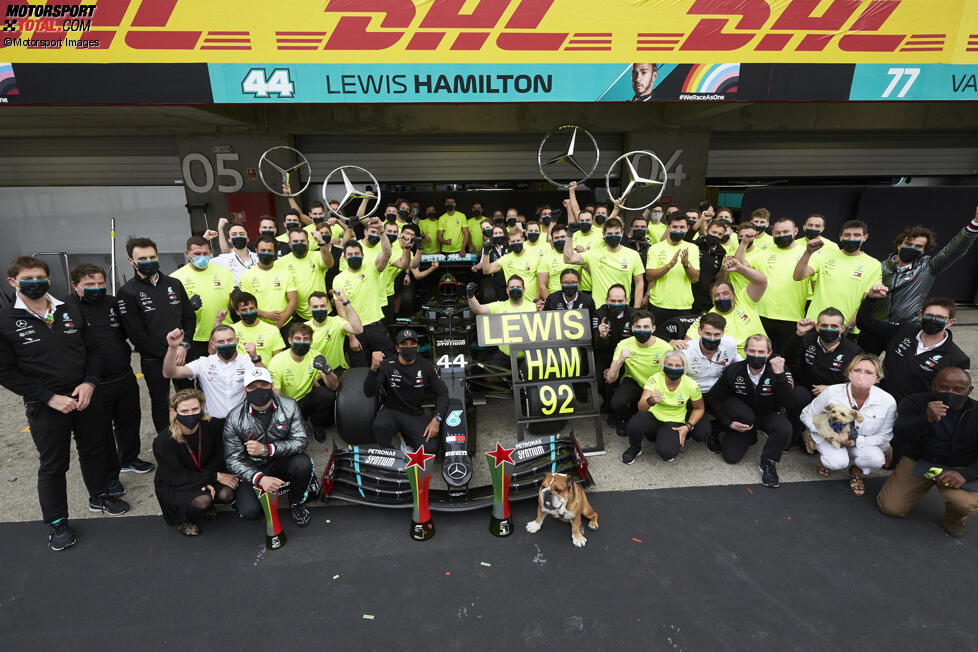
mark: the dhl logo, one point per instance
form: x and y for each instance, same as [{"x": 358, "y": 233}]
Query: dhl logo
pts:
[{"x": 761, "y": 26}]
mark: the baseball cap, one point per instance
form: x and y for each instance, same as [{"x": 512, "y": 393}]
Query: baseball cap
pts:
[
  {"x": 258, "y": 373},
  {"x": 406, "y": 334}
]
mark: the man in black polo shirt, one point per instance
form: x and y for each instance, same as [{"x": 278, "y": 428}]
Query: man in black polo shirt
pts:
[
  {"x": 916, "y": 350},
  {"x": 151, "y": 305},
  {"x": 117, "y": 388},
  {"x": 48, "y": 357},
  {"x": 401, "y": 382}
]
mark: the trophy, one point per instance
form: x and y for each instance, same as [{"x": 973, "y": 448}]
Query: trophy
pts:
[
  {"x": 419, "y": 476},
  {"x": 633, "y": 163},
  {"x": 274, "y": 535},
  {"x": 348, "y": 190},
  {"x": 570, "y": 153},
  {"x": 279, "y": 159},
  {"x": 500, "y": 462}
]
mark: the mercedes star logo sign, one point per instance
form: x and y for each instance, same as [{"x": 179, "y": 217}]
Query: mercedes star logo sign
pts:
[
  {"x": 349, "y": 190},
  {"x": 281, "y": 184},
  {"x": 570, "y": 155},
  {"x": 457, "y": 471},
  {"x": 656, "y": 178}
]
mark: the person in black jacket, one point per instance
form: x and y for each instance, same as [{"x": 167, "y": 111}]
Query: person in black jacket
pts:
[
  {"x": 192, "y": 476},
  {"x": 401, "y": 382},
  {"x": 941, "y": 428},
  {"x": 570, "y": 296},
  {"x": 49, "y": 357},
  {"x": 917, "y": 350},
  {"x": 610, "y": 324},
  {"x": 818, "y": 356},
  {"x": 151, "y": 305},
  {"x": 751, "y": 395},
  {"x": 117, "y": 388},
  {"x": 712, "y": 254}
]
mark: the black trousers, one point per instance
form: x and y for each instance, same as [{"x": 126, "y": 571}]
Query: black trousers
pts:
[
  {"x": 51, "y": 431},
  {"x": 390, "y": 422},
  {"x": 317, "y": 406},
  {"x": 296, "y": 470},
  {"x": 602, "y": 360},
  {"x": 803, "y": 396},
  {"x": 120, "y": 408},
  {"x": 373, "y": 338},
  {"x": 662, "y": 315},
  {"x": 780, "y": 331},
  {"x": 871, "y": 343},
  {"x": 624, "y": 400},
  {"x": 645, "y": 426},
  {"x": 735, "y": 444},
  {"x": 159, "y": 391}
]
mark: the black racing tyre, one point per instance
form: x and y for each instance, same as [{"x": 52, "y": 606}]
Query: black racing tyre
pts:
[{"x": 355, "y": 411}]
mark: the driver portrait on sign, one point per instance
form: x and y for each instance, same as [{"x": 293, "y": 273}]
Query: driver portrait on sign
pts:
[{"x": 401, "y": 382}]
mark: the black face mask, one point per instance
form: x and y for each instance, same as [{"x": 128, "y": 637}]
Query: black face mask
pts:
[
  {"x": 300, "y": 348},
  {"x": 267, "y": 232},
  {"x": 642, "y": 336},
  {"x": 259, "y": 396},
  {"x": 318, "y": 219},
  {"x": 476, "y": 212},
  {"x": 756, "y": 362},
  {"x": 431, "y": 215},
  {"x": 300, "y": 249},
  {"x": 850, "y": 246},
  {"x": 710, "y": 344},
  {"x": 533, "y": 236},
  {"x": 403, "y": 214},
  {"x": 354, "y": 262},
  {"x": 516, "y": 247},
  {"x": 547, "y": 220},
  {"x": 559, "y": 244},
  {"x": 515, "y": 293},
  {"x": 189, "y": 421},
  {"x": 449, "y": 207},
  {"x": 226, "y": 351},
  {"x": 292, "y": 226},
  {"x": 953, "y": 401},
  {"x": 486, "y": 233},
  {"x": 569, "y": 290},
  {"x": 390, "y": 217},
  {"x": 829, "y": 334},
  {"x": 249, "y": 317},
  {"x": 783, "y": 241},
  {"x": 676, "y": 236},
  {"x": 409, "y": 353},
  {"x": 239, "y": 241},
  {"x": 585, "y": 227},
  {"x": 725, "y": 239},
  {"x": 510, "y": 221},
  {"x": 148, "y": 267},
  {"x": 266, "y": 258},
  {"x": 723, "y": 305},
  {"x": 600, "y": 219},
  {"x": 612, "y": 240},
  {"x": 673, "y": 373},
  {"x": 639, "y": 234},
  {"x": 932, "y": 326},
  {"x": 34, "y": 289},
  {"x": 372, "y": 239},
  {"x": 319, "y": 314},
  {"x": 498, "y": 240},
  {"x": 92, "y": 295},
  {"x": 391, "y": 237},
  {"x": 910, "y": 254},
  {"x": 811, "y": 234}
]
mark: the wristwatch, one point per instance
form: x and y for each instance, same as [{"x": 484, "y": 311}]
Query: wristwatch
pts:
[
  {"x": 256, "y": 360},
  {"x": 346, "y": 303},
  {"x": 438, "y": 418},
  {"x": 650, "y": 401},
  {"x": 688, "y": 425}
]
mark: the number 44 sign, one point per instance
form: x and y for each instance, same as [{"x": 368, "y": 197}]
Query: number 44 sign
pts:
[{"x": 258, "y": 83}]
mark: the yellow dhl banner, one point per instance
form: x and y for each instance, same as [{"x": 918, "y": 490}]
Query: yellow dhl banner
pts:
[{"x": 489, "y": 31}]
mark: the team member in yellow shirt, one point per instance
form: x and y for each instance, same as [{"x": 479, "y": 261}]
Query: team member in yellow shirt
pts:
[
  {"x": 842, "y": 278},
  {"x": 586, "y": 238},
  {"x": 329, "y": 333},
  {"x": 741, "y": 312},
  {"x": 613, "y": 264},
  {"x": 272, "y": 285},
  {"x": 453, "y": 230},
  {"x": 266, "y": 338},
  {"x": 364, "y": 287},
  {"x": 211, "y": 285},
  {"x": 672, "y": 266},
  {"x": 814, "y": 227},
  {"x": 552, "y": 263},
  {"x": 783, "y": 303},
  {"x": 671, "y": 409},
  {"x": 761, "y": 219},
  {"x": 429, "y": 232},
  {"x": 747, "y": 253},
  {"x": 641, "y": 356},
  {"x": 517, "y": 302},
  {"x": 308, "y": 271},
  {"x": 474, "y": 224},
  {"x": 305, "y": 377},
  {"x": 729, "y": 238},
  {"x": 535, "y": 242},
  {"x": 518, "y": 262}
]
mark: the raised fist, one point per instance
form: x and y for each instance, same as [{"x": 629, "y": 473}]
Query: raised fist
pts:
[
  {"x": 174, "y": 337},
  {"x": 814, "y": 245},
  {"x": 319, "y": 362},
  {"x": 470, "y": 290},
  {"x": 804, "y": 326}
]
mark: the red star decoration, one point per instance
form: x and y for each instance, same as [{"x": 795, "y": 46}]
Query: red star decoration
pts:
[
  {"x": 418, "y": 458},
  {"x": 502, "y": 454}
]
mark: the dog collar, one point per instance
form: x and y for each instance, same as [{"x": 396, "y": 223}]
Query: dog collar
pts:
[{"x": 837, "y": 427}]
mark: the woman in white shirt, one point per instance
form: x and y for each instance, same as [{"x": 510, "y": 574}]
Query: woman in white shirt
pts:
[{"x": 867, "y": 451}]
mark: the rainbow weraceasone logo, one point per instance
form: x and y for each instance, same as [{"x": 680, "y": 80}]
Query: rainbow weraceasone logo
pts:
[
  {"x": 8, "y": 84},
  {"x": 715, "y": 81}
]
